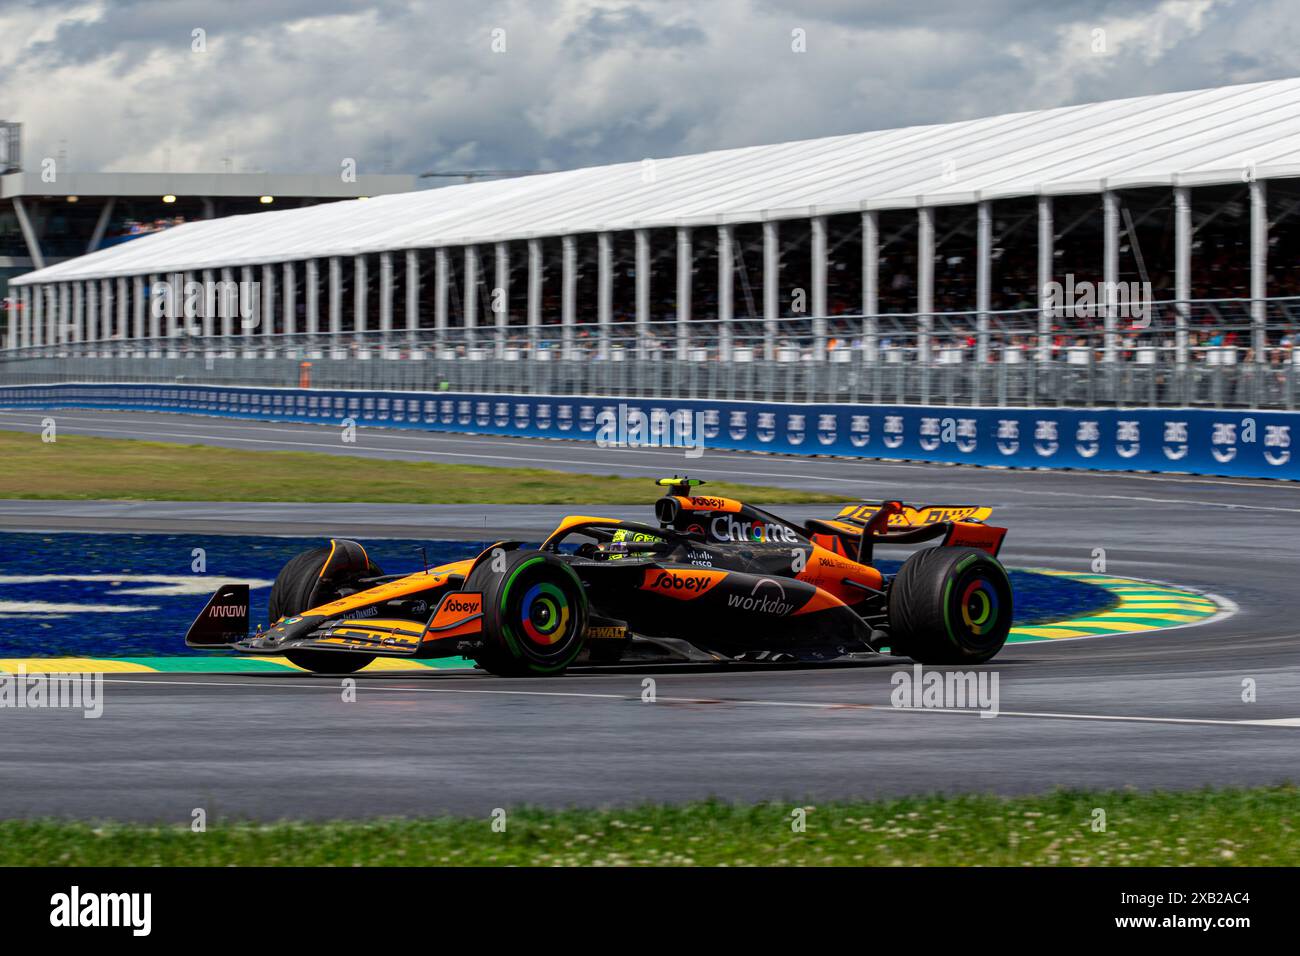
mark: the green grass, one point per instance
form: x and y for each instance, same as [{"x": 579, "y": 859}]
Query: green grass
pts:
[
  {"x": 1255, "y": 827},
  {"x": 79, "y": 467}
]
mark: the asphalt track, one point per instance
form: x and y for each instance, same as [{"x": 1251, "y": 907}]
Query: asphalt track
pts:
[{"x": 1163, "y": 709}]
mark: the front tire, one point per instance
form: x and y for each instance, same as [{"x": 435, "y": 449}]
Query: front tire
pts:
[
  {"x": 291, "y": 594},
  {"x": 534, "y": 614},
  {"x": 329, "y": 662},
  {"x": 949, "y": 606}
]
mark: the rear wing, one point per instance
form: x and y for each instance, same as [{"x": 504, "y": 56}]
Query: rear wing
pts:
[
  {"x": 858, "y": 528},
  {"x": 911, "y": 516}
]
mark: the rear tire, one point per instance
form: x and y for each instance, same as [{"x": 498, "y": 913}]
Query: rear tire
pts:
[
  {"x": 291, "y": 594},
  {"x": 949, "y": 606},
  {"x": 534, "y": 615}
]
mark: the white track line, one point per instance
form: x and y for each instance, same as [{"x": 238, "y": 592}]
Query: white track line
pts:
[
  {"x": 300, "y": 684},
  {"x": 655, "y": 469},
  {"x": 396, "y": 434}
]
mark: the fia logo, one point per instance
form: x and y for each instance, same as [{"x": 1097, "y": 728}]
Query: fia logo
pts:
[
  {"x": 893, "y": 431},
  {"x": 710, "y": 421},
  {"x": 1008, "y": 439},
  {"x": 1127, "y": 439},
  {"x": 826, "y": 429},
  {"x": 967, "y": 435},
  {"x": 794, "y": 429},
  {"x": 737, "y": 425},
  {"x": 1277, "y": 444},
  {"x": 1045, "y": 438},
  {"x": 859, "y": 430},
  {"x": 1175, "y": 446},
  {"x": 1223, "y": 442},
  {"x": 929, "y": 433},
  {"x": 1087, "y": 439}
]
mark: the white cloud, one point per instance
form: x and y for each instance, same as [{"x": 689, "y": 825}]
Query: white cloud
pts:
[{"x": 298, "y": 85}]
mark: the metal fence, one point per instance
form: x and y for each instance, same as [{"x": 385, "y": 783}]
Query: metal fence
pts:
[{"x": 1220, "y": 353}]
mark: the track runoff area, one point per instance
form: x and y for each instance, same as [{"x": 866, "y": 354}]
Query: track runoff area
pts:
[{"x": 1186, "y": 672}]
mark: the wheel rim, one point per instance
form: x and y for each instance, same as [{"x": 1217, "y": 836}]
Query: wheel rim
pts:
[
  {"x": 541, "y": 614},
  {"x": 977, "y": 608},
  {"x": 545, "y": 612}
]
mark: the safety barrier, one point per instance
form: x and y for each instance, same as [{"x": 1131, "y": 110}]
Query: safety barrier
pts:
[{"x": 1239, "y": 443}]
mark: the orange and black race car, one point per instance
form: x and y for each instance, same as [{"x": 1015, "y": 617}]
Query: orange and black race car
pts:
[{"x": 713, "y": 579}]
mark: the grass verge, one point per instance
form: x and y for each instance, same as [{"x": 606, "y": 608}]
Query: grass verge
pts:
[
  {"x": 1208, "y": 827},
  {"x": 77, "y": 467}
]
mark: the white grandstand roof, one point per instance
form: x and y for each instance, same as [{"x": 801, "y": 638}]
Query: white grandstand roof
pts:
[{"x": 1203, "y": 137}]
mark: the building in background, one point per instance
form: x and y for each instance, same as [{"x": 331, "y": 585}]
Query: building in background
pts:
[{"x": 48, "y": 216}]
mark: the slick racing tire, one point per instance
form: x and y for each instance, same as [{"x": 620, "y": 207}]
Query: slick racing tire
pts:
[
  {"x": 534, "y": 614},
  {"x": 291, "y": 594},
  {"x": 949, "y": 606}
]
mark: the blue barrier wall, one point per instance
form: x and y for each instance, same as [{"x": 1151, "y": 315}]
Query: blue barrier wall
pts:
[{"x": 1237, "y": 443}]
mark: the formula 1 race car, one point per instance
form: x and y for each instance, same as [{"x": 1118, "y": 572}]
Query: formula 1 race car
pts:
[{"x": 714, "y": 580}]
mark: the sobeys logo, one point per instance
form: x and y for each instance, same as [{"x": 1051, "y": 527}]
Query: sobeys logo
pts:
[
  {"x": 681, "y": 584},
  {"x": 708, "y": 504},
  {"x": 461, "y": 605}
]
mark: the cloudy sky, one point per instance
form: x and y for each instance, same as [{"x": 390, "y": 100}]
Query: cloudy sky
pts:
[{"x": 411, "y": 85}]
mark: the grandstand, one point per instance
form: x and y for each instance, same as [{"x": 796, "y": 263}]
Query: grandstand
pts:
[{"x": 913, "y": 264}]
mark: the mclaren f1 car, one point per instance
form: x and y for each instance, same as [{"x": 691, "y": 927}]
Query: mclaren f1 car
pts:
[{"x": 711, "y": 579}]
